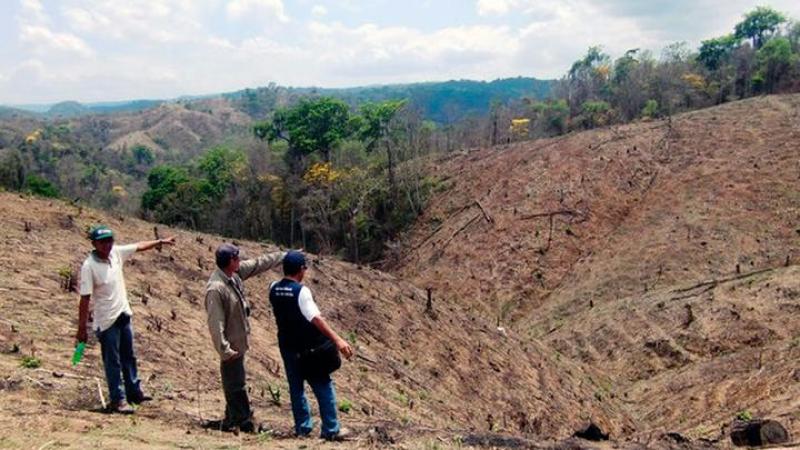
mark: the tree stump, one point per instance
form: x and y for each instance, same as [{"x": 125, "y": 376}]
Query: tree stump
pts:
[
  {"x": 754, "y": 433},
  {"x": 591, "y": 432}
]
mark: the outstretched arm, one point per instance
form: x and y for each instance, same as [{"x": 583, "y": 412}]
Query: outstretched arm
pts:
[
  {"x": 252, "y": 267},
  {"x": 147, "y": 245}
]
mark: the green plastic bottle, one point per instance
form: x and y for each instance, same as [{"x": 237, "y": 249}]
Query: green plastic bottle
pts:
[{"x": 76, "y": 357}]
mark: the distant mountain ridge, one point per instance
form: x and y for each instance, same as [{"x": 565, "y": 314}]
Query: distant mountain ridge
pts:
[
  {"x": 71, "y": 108},
  {"x": 443, "y": 102}
]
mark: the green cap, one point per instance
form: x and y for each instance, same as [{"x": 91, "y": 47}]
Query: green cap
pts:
[{"x": 100, "y": 232}]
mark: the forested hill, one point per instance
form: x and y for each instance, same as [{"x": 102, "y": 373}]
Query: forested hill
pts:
[{"x": 449, "y": 101}]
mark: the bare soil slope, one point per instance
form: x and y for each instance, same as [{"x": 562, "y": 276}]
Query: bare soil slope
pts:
[
  {"x": 638, "y": 250},
  {"x": 177, "y": 127},
  {"x": 445, "y": 372}
]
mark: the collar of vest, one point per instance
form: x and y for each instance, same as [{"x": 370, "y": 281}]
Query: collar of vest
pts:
[
  {"x": 288, "y": 281},
  {"x": 218, "y": 273}
]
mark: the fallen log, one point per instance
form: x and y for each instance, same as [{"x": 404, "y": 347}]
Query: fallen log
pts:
[{"x": 561, "y": 212}]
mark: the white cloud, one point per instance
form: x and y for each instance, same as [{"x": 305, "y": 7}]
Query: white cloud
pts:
[
  {"x": 319, "y": 10},
  {"x": 548, "y": 48},
  {"x": 29, "y": 67},
  {"x": 159, "y": 21},
  {"x": 370, "y": 54},
  {"x": 487, "y": 7},
  {"x": 43, "y": 40},
  {"x": 238, "y": 9},
  {"x": 32, "y": 11}
]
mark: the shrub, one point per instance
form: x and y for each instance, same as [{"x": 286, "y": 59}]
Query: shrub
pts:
[
  {"x": 37, "y": 185},
  {"x": 650, "y": 109},
  {"x": 31, "y": 362}
]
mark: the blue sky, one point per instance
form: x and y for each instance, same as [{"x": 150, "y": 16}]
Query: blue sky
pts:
[{"x": 106, "y": 50}]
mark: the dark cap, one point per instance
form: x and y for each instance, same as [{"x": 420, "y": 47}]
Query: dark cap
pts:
[
  {"x": 100, "y": 232},
  {"x": 225, "y": 253},
  {"x": 293, "y": 262}
]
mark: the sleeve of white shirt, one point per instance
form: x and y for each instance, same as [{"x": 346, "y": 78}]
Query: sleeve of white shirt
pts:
[
  {"x": 87, "y": 284},
  {"x": 125, "y": 251},
  {"x": 307, "y": 305}
]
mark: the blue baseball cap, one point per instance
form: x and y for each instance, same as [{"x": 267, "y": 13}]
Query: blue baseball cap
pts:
[
  {"x": 293, "y": 262},
  {"x": 100, "y": 232}
]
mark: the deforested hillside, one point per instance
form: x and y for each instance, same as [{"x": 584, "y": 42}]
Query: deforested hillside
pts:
[
  {"x": 640, "y": 277},
  {"x": 444, "y": 371},
  {"x": 173, "y": 130},
  {"x": 660, "y": 252}
]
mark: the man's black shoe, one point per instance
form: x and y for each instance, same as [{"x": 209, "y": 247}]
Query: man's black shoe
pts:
[
  {"x": 344, "y": 434},
  {"x": 247, "y": 427},
  {"x": 120, "y": 407},
  {"x": 138, "y": 400}
]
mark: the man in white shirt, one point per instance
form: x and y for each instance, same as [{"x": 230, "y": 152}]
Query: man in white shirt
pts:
[{"x": 102, "y": 281}]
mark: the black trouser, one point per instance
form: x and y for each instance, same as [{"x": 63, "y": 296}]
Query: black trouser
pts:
[{"x": 237, "y": 405}]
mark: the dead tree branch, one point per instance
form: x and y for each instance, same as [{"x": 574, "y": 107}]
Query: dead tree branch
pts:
[
  {"x": 466, "y": 225},
  {"x": 486, "y": 215}
]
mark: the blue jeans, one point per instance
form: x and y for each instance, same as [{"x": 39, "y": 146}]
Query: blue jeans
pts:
[
  {"x": 323, "y": 390},
  {"x": 116, "y": 344}
]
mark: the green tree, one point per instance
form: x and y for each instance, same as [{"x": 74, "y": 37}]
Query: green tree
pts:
[
  {"x": 219, "y": 167},
  {"x": 595, "y": 113},
  {"x": 551, "y": 117},
  {"x": 630, "y": 82},
  {"x": 624, "y": 66},
  {"x": 759, "y": 25},
  {"x": 376, "y": 130},
  {"x": 313, "y": 125},
  {"x": 12, "y": 169},
  {"x": 774, "y": 62},
  {"x": 587, "y": 79},
  {"x": 161, "y": 181},
  {"x": 650, "y": 109},
  {"x": 793, "y": 34},
  {"x": 143, "y": 155},
  {"x": 184, "y": 206},
  {"x": 714, "y": 52}
]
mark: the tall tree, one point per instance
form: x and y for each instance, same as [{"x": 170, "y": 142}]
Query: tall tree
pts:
[
  {"x": 313, "y": 125},
  {"x": 376, "y": 130},
  {"x": 774, "y": 61},
  {"x": 759, "y": 25},
  {"x": 587, "y": 79},
  {"x": 162, "y": 181},
  {"x": 220, "y": 166},
  {"x": 715, "y": 52}
]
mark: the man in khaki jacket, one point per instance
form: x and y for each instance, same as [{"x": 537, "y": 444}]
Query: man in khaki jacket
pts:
[{"x": 228, "y": 324}]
